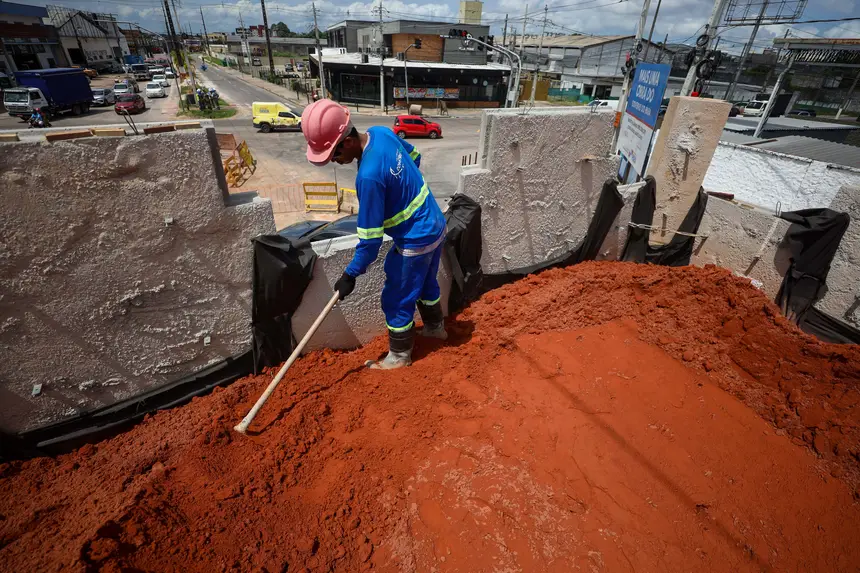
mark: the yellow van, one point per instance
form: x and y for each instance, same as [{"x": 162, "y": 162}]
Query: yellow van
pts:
[{"x": 273, "y": 115}]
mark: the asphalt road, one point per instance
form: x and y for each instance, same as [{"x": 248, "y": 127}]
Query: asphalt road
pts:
[
  {"x": 157, "y": 109},
  {"x": 281, "y": 155}
]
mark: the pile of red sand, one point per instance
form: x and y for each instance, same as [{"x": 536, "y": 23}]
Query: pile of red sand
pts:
[{"x": 606, "y": 417}]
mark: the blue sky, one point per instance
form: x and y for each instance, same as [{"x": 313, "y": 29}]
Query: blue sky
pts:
[{"x": 680, "y": 19}]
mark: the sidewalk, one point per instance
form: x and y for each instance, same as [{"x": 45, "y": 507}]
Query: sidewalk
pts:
[{"x": 289, "y": 97}]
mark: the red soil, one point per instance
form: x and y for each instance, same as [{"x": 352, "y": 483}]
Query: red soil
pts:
[{"x": 606, "y": 417}]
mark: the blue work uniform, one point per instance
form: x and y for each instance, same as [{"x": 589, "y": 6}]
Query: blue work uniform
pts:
[{"x": 395, "y": 200}]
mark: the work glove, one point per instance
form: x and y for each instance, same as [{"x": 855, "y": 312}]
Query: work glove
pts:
[{"x": 344, "y": 285}]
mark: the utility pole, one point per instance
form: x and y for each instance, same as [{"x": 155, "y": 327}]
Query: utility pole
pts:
[
  {"x": 205, "y": 33},
  {"x": 770, "y": 71},
  {"x": 243, "y": 37},
  {"x": 710, "y": 31},
  {"x": 772, "y": 99},
  {"x": 269, "y": 41},
  {"x": 847, "y": 101},
  {"x": 537, "y": 64},
  {"x": 381, "y": 60},
  {"x": 622, "y": 104},
  {"x": 522, "y": 51},
  {"x": 651, "y": 33},
  {"x": 171, "y": 31},
  {"x": 505, "y": 31},
  {"x": 189, "y": 67},
  {"x": 663, "y": 51},
  {"x": 319, "y": 51},
  {"x": 745, "y": 53}
]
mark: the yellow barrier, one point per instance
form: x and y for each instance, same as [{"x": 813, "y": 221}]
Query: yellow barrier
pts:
[
  {"x": 232, "y": 170},
  {"x": 248, "y": 161},
  {"x": 321, "y": 200}
]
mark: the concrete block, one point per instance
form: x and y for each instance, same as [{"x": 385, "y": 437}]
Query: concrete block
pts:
[
  {"x": 744, "y": 241},
  {"x": 65, "y": 135},
  {"x": 537, "y": 183},
  {"x": 192, "y": 125},
  {"x": 8, "y": 137},
  {"x": 158, "y": 129},
  {"x": 119, "y": 259},
  {"x": 843, "y": 282},
  {"x": 770, "y": 180},
  {"x": 358, "y": 319},
  {"x": 682, "y": 154},
  {"x": 108, "y": 132}
]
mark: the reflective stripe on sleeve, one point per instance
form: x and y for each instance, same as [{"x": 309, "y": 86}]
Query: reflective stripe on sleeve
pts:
[
  {"x": 429, "y": 302},
  {"x": 409, "y": 210},
  {"x": 415, "y": 154},
  {"x": 375, "y": 233}
]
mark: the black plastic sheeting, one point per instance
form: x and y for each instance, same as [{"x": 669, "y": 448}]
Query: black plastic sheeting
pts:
[
  {"x": 464, "y": 219},
  {"x": 812, "y": 240},
  {"x": 463, "y": 246},
  {"x": 105, "y": 422},
  {"x": 283, "y": 269},
  {"x": 678, "y": 251}
]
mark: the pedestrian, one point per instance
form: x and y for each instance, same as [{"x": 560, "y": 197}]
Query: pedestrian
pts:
[{"x": 395, "y": 200}]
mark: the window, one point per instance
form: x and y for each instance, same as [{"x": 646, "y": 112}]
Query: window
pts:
[
  {"x": 396, "y": 121},
  {"x": 286, "y": 114}
]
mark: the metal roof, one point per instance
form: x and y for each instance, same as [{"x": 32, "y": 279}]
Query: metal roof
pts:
[
  {"x": 571, "y": 41},
  {"x": 738, "y": 138},
  {"x": 742, "y": 125},
  {"x": 817, "y": 149}
]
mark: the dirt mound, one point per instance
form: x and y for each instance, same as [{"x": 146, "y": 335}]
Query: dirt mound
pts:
[{"x": 600, "y": 417}]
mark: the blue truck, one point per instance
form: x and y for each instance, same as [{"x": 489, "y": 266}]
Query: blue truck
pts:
[{"x": 54, "y": 91}]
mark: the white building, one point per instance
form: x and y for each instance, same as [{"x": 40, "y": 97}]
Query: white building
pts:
[{"x": 89, "y": 38}]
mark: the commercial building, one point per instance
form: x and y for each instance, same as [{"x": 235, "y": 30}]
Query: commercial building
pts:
[
  {"x": 296, "y": 47},
  {"x": 470, "y": 12},
  {"x": 26, "y": 41},
  {"x": 89, "y": 38},
  {"x": 345, "y": 34},
  {"x": 441, "y": 69}
]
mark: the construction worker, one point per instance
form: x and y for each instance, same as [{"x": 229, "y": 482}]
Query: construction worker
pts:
[{"x": 395, "y": 200}]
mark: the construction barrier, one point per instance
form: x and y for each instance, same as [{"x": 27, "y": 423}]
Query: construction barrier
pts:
[
  {"x": 322, "y": 197},
  {"x": 236, "y": 158},
  {"x": 248, "y": 161},
  {"x": 233, "y": 170}
]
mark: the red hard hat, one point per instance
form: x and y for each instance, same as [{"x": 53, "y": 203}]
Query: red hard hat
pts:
[{"x": 325, "y": 123}]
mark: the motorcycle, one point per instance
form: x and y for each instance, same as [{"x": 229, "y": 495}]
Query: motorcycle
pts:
[{"x": 38, "y": 123}]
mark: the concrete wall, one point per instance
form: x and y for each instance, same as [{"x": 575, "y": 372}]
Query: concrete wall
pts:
[
  {"x": 358, "y": 319},
  {"x": 102, "y": 296},
  {"x": 765, "y": 178},
  {"x": 843, "y": 283},
  {"x": 538, "y": 182}
]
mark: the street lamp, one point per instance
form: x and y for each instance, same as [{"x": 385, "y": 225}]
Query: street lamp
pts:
[{"x": 417, "y": 45}]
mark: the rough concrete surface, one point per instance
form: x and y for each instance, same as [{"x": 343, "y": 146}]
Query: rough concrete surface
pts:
[
  {"x": 538, "y": 182},
  {"x": 688, "y": 137},
  {"x": 769, "y": 179},
  {"x": 744, "y": 241},
  {"x": 843, "y": 282},
  {"x": 119, "y": 260},
  {"x": 356, "y": 320}
]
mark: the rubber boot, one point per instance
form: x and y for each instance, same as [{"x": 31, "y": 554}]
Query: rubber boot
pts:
[
  {"x": 434, "y": 321},
  {"x": 399, "y": 351}
]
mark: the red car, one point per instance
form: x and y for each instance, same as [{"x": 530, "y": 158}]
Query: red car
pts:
[
  {"x": 129, "y": 103},
  {"x": 416, "y": 125}
]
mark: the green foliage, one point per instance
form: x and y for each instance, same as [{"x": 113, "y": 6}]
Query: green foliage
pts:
[{"x": 281, "y": 29}]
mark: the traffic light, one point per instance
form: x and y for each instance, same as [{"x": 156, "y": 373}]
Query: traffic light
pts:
[
  {"x": 417, "y": 43},
  {"x": 457, "y": 33},
  {"x": 480, "y": 45},
  {"x": 490, "y": 42}
]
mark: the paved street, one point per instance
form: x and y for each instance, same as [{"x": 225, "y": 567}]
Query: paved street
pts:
[
  {"x": 157, "y": 109},
  {"x": 281, "y": 155}
]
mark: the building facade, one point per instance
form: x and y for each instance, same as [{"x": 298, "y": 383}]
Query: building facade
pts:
[
  {"x": 471, "y": 12},
  {"x": 345, "y": 34},
  {"x": 26, "y": 41},
  {"x": 89, "y": 38}
]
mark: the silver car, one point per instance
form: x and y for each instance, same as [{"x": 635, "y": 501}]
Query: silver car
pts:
[{"x": 103, "y": 96}]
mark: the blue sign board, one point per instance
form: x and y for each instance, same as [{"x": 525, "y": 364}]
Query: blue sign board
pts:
[{"x": 646, "y": 93}]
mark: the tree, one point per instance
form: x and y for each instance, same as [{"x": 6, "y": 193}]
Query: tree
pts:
[{"x": 281, "y": 30}]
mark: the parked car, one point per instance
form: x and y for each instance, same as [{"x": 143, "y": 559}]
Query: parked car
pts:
[
  {"x": 256, "y": 62},
  {"x": 161, "y": 79},
  {"x": 103, "y": 96},
  {"x": 127, "y": 86},
  {"x": 406, "y": 125},
  {"x": 754, "y": 108},
  {"x": 604, "y": 104},
  {"x": 129, "y": 103},
  {"x": 169, "y": 74},
  {"x": 89, "y": 72},
  {"x": 803, "y": 113},
  {"x": 155, "y": 89},
  {"x": 321, "y": 230}
]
